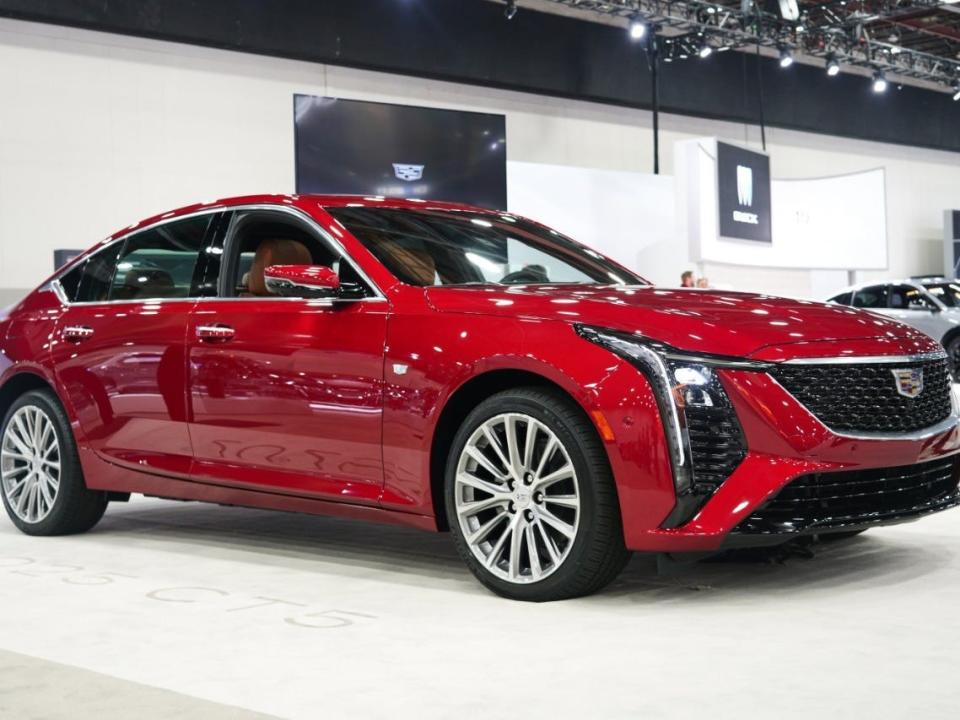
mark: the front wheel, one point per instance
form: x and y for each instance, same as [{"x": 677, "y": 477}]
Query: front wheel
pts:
[
  {"x": 42, "y": 484},
  {"x": 531, "y": 499}
]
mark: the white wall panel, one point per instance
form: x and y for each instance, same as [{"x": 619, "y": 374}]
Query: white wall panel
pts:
[{"x": 99, "y": 130}]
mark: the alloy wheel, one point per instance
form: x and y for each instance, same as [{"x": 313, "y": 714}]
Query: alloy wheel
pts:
[
  {"x": 30, "y": 464},
  {"x": 517, "y": 498}
]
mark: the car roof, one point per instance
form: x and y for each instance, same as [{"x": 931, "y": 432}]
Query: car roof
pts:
[{"x": 303, "y": 201}]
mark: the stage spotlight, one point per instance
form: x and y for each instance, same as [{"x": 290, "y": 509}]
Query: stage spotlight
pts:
[
  {"x": 705, "y": 51},
  {"x": 786, "y": 58},
  {"x": 956, "y": 91},
  {"x": 510, "y": 10},
  {"x": 833, "y": 67},
  {"x": 879, "y": 82},
  {"x": 637, "y": 29}
]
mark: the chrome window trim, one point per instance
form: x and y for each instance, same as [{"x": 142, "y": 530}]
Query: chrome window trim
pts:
[
  {"x": 296, "y": 212},
  {"x": 866, "y": 359}
]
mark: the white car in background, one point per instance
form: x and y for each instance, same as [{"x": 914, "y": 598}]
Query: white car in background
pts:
[{"x": 930, "y": 304}]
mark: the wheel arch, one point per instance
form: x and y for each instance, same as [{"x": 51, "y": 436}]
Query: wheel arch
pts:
[
  {"x": 951, "y": 334},
  {"x": 18, "y": 384},
  {"x": 460, "y": 403}
]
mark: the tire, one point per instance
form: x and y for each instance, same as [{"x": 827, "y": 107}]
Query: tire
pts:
[
  {"x": 573, "y": 521},
  {"x": 59, "y": 502}
]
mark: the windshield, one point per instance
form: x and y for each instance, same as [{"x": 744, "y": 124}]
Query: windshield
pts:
[
  {"x": 445, "y": 247},
  {"x": 947, "y": 293}
]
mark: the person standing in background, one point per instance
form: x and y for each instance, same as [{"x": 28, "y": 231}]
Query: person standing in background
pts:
[
  {"x": 686, "y": 279},
  {"x": 703, "y": 283}
]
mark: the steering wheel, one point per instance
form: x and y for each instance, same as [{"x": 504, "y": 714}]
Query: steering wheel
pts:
[{"x": 524, "y": 275}]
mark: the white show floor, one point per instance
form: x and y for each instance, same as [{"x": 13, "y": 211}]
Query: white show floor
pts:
[{"x": 304, "y": 617}]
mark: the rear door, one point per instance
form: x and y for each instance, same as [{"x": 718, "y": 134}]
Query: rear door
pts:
[
  {"x": 286, "y": 394},
  {"x": 120, "y": 349}
]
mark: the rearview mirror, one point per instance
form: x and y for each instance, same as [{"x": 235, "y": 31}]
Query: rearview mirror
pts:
[{"x": 304, "y": 281}]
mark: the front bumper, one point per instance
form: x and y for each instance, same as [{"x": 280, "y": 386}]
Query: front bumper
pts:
[{"x": 786, "y": 443}]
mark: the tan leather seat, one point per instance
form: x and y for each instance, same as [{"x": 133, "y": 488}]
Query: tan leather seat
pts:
[
  {"x": 418, "y": 266},
  {"x": 275, "y": 251}
]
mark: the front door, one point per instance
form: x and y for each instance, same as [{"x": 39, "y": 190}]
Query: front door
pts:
[
  {"x": 120, "y": 347},
  {"x": 286, "y": 394}
]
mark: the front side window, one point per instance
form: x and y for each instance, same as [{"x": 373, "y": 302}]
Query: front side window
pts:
[
  {"x": 841, "y": 299},
  {"x": 443, "y": 247},
  {"x": 908, "y": 297},
  {"x": 871, "y": 297},
  {"x": 947, "y": 293},
  {"x": 261, "y": 238}
]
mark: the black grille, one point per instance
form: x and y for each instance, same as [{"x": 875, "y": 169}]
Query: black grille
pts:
[
  {"x": 716, "y": 443},
  {"x": 864, "y": 398},
  {"x": 852, "y": 497}
]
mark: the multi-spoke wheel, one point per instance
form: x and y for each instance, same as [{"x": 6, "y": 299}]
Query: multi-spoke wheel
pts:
[
  {"x": 530, "y": 498},
  {"x": 41, "y": 482},
  {"x": 30, "y": 463}
]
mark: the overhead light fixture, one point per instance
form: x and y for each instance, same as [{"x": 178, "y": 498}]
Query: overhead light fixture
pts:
[
  {"x": 879, "y": 82},
  {"x": 705, "y": 51},
  {"x": 786, "y": 58},
  {"x": 637, "y": 29},
  {"x": 833, "y": 67},
  {"x": 956, "y": 91},
  {"x": 510, "y": 10}
]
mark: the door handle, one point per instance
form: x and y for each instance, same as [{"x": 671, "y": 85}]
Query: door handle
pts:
[
  {"x": 212, "y": 333},
  {"x": 76, "y": 333}
]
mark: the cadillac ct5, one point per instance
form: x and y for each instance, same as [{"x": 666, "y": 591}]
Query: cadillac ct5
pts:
[{"x": 452, "y": 368}]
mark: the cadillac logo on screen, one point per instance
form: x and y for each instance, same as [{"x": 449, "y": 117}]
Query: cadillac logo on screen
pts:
[
  {"x": 743, "y": 193},
  {"x": 909, "y": 381},
  {"x": 408, "y": 173}
]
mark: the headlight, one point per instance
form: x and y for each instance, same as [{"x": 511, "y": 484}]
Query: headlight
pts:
[{"x": 703, "y": 433}]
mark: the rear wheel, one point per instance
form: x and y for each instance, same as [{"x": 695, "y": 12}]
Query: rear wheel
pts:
[
  {"x": 42, "y": 485},
  {"x": 531, "y": 499}
]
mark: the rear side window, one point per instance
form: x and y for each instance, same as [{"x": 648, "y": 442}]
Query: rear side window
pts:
[
  {"x": 842, "y": 299},
  {"x": 161, "y": 262},
  {"x": 90, "y": 280},
  {"x": 871, "y": 297}
]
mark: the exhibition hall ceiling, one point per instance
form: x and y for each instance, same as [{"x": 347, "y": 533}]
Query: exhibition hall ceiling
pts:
[
  {"x": 914, "y": 40},
  {"x": 472, "y": 42}
]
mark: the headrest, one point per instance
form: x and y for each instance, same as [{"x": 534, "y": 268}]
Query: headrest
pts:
[{"x": 275, "y": 251}]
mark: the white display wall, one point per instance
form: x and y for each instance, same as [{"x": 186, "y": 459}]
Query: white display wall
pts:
[
  {"x": 98, "y": 130},
  {"x": 820, "y": 223}
]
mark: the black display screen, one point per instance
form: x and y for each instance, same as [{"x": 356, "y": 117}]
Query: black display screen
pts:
[
  {"x": 743, "y": 193},
  {"x": 368, "y": 148}
]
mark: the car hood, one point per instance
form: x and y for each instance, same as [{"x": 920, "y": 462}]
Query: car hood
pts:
[{"x": 717, "y": 322}]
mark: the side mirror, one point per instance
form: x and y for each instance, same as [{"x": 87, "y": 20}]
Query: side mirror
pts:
[{"x": 306, "y": 281}]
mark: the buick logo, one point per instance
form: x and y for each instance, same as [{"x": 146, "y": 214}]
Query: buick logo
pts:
[
  {"x": 408, "y": 173},
  {"x": 909, "y": 381},
  {"x": 744, "y": 186}
]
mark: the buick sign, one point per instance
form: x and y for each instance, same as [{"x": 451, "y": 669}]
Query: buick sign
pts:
[
  {"x": 408, "y": 173},
  {"x": 743, "y": 193}
]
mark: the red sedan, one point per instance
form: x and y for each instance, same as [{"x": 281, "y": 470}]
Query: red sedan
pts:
[{"x": 447, "y": 367}]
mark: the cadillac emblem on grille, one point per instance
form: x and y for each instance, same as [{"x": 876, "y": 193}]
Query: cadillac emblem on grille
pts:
[{"x": 909, "y": 381}]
